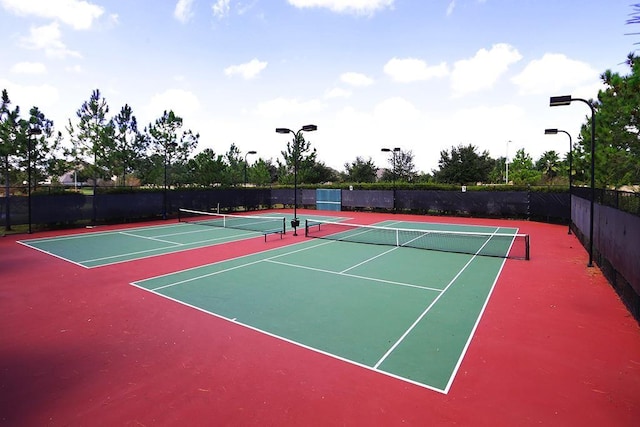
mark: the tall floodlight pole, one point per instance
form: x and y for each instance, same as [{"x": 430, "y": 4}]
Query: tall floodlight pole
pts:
[
  {"x": 31, "y": 135},
  {"x": 506, "y": 164},
  {"x": 556, "y": 101},
  {"x": 245, "y": 166},
  {"x": 296, "y": 153},
  {"x": 393, "y": 152},
  {"x": 555, "y": 132},
  {"x": 246, "y": 207},
  {"x": 172, "y": 146}
]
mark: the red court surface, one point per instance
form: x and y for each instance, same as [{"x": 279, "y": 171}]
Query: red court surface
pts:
[{"x": 78, "y": 346}]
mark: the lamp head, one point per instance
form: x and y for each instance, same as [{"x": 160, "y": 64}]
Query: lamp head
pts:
[
  {"x": 283, "y": 130},
  {"x": 550, "y": 131},
  {"x": 309, "y": 128},
  {"x": 556, "y": 101},
  {"x": 252, "y": 152}
]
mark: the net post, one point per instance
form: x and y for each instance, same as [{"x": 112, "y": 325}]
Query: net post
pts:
[
  {"x": 306, "y": 228},
  {"x": 179, "y": 215},
  {"x": 284, "y": 227},
  {"x": 526, "y": 249}
]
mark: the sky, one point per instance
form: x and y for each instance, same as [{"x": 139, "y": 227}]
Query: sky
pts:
[{"x": 420, "y": 75}]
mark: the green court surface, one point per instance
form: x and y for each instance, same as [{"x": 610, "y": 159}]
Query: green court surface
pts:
[
  {"x": 404, "y": 312},
  {"x": 103, "y": 248}
]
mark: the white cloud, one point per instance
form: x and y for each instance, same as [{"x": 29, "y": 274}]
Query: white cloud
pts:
[
  {"x": 353, "y": 132},
  {"x": 75, "y": 69},
  {"x": 484, "y": 69},
  {"x": 396, "y": 110},
  {"x": 360, "y": 7},
  {"x": 183, "y": 11},
  {"x": 220, "y": 8},
  {"x": 48, "y": 38},
  {"x": 410, "y": 70},
  {"x": 79, "y": 14},
  {"x": 29, "y": 68},
  {"x": 247, "y": 70},
  {"x": 356, "y": 79},
  {"x": 553, "y": 72},
  {"x": 44, "y": 96},
  {"x": 337, "y": 93},
  {"x": 290, "y": 109},
  {"x": 503, "y": 119}
]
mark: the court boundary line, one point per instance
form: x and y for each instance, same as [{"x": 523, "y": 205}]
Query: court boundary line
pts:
[
  {"x": 290, "y": 341},
  {"x": 355, "y": 276},
  {"x": 474, "y": 329},
  {"x": 179, "y": 247},
  {"x": 155, "y": 239},
  {"x": 79, "y": 235},
  {"x": 433, "y": 303},
  {"x": 169, "y": 285},
  {"x": 176, "y": 245},
  {"x": 98, "y": 233},
  {"x": 368, "y": 260},
  {"x": 374, "y": 368},
  {"x": 51, "y": 254},
  {"x": 309, "y": 246},
  {"x": 231, "y": 259}
]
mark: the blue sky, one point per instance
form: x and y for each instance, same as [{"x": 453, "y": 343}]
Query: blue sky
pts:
[{"x": 422, "y": 75}]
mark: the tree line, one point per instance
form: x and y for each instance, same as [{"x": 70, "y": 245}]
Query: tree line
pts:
[{"x": 115, "y": 150}]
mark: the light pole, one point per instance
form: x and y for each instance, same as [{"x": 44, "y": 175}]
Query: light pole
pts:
[
  {"x": 245, "y": 166},
  {"x": 393, "y": 152},
  {"x": 172, "y": 146},
  {"x": 555, "y": 132},
  {"x": 32, "y": 133},
  {"x": 246, "y": 206},
  {"x": 556, "y": 101},
  {"x": 506, "y": 164},
  {"x": 296, "y": 153}
]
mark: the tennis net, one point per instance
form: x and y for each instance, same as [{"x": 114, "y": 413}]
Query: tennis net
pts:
[
  {"x": 263, "y": 224},
  {"x": 495, "y": 244}
]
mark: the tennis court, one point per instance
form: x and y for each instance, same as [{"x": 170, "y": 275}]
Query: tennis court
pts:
[{"x": 404, "y": 312}]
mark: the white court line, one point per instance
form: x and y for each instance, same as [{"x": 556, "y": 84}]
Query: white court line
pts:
[
  {"x": 191, "y": 279},
  {"x": 198, "y": 267},
  {"x": 473, "y": 330},
  {"x": 155, "y": 239},
  {"x": 51, "y": 254},
  {"x": 424, "y": 313},
  {"x": 224, "y": 270},
  {"x": 176, "y": 245},
  {"x": 182, "y": 233},
  {"x": 98, "y": 233},
  {"x": 368, "y": 260},
  {"x": 355, "y": 276},
  {"x": 290, "y": 341},
  {"x": 272, "y": 258}
]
